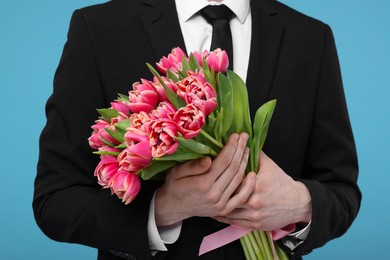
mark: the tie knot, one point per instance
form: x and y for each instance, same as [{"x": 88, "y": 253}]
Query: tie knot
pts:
[{"x": 216, "y": 12}]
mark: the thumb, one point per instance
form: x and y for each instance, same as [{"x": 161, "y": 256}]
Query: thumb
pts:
[{"x": 192, "y": 167}]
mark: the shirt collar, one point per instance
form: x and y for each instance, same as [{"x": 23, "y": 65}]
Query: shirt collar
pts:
[{"x": 188, "y": 8}]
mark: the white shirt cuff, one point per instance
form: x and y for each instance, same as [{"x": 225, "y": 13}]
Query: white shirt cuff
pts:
[
  {"x": 158, "y": 237},
  {"x": 293, "y": 240}
]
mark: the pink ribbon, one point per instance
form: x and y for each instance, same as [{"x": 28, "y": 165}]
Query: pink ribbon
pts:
[
  {"x": 281, "y": 233},
  {"x": 232, "y": 233},
  {"x": 221, "y": 238}
]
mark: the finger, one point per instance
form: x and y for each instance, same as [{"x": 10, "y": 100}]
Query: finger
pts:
[
  {"x": 236, "y": 181},
  {"x": 239, "y": 199},
  {"x": 222, "y": 161},
  {"x": 191, "y": 168},
  {"x": 235, "y": 164},
  {"x": 237, "y": 222}
]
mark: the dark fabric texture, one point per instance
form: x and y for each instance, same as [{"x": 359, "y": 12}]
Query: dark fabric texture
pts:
[{"x": 293, "y": 59}]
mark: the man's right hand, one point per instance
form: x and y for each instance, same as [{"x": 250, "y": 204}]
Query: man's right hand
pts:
[{"x": 206, "y": 188}]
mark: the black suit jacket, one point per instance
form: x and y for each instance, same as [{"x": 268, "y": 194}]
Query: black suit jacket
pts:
[{"x": 293, "y": 59}]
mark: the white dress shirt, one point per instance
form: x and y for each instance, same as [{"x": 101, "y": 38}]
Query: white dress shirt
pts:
[{"x": 197, "y": 34}]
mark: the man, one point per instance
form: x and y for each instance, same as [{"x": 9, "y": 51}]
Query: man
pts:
[{"x": 310, "y": 180}]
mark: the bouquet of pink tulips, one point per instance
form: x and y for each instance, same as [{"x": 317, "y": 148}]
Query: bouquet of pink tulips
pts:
[{"x": 183, "y": 114}]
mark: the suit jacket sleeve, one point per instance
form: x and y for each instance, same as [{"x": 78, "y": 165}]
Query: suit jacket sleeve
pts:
[
  {"x": 330, "y": 168},
  {"x": 68, "y": 204}
]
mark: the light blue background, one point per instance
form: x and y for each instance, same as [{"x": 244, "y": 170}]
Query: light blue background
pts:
[{"x": 32, "y": 34}]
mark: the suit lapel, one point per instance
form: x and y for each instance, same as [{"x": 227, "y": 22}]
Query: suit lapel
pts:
[
  {"x": 267, "y": 34},
  {"x": 162, "y": 26}
]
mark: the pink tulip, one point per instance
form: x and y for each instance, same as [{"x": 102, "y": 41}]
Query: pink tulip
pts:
[
  {"x": 138, "y": 120},
  {"x": 125, "y": 185},
  {"x": 118, "y": 119},
  {"x": 94, "y": 141},
  {"x": 106, "y": 169},
  {"x": 173, "y": 62},
  {"x": 190, "y": 121},
  {"x": 160, "y": 89},
  {"x": 98, "y": 130},
  {"x": 194, "y": 89},
  {"x": 162, "y": 135},
  {"x": 103, "y": 134},
  {"x": 199, "y": 56},
  {"x": 164, "y": 110},
  {"x": 123, "y": 110},
  {"x": 121, "y": 107},
  {"x": 109, "y": 149},
  {"x": 218, "y": 60},
  {"x": 143, "y": 97},
  {"x": 100, "y": 124},
  {"x": 138, "y": 153}
]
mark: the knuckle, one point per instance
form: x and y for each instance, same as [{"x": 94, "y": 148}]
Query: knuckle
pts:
[
  {"x": 255, "y": 216},
  {"x": 202, "y": 189},
  {"x": 242, "y": 199},
  {"x": 257, "y": 226},
  {"x": 254, "y": 203},
  {"x": 224, "y": 211},
  {"x": 219, "y": 206},
  {"x": 212, "y": 197}
]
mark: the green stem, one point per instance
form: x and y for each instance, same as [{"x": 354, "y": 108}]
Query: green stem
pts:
[
  {"x": 251, "y": 252},
  {"x": 255, "y": 245},
  {"x": 268, "y": 251},
  {"x": 281, "y": 254},
  {"x": 245, "y": 248},
  {"x": 259, "y": 243},
  {"x": 211, "y": 139}
]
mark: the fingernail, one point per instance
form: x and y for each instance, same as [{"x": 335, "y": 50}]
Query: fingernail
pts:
[{"x": 245, "y": 136}]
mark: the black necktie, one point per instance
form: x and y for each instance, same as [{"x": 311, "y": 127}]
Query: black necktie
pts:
[{"x": 219, "y": 16}]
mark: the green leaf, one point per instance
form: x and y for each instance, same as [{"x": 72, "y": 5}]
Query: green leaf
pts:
[
  {"x": 210, "y": 123},
  {"x": 121, "y": 126},
  {"x": 121, "y": 146},
  {"x": 123, "y": 98},
  {"x": 108, "y": 113},
  {"x": 155, "y": 168},
  {"x": 180, "y": 156},
  {"x": 107, "y": 142},
  {"x": 224, "y": 88},
  {"x": 176, "y": 101},
  {"x": 172, "y": 76},
  {"x": 218, "y": 125},
  {"x": 260, "y": 129},
  {"x": 209, "y": 74},
  {"x": 117, "y": 136},
  {"x": 106, "y": 153},
  {"x": 185, "y": 65},
  {"x": 242, "y": 118},
  {"x": 194, "y": 146},
  {"x": 194, "y": 63},
  {"x": 228, "y": 114}
]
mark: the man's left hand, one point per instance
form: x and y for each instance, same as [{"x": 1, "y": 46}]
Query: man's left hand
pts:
[{"x": 276, "y": 201}]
